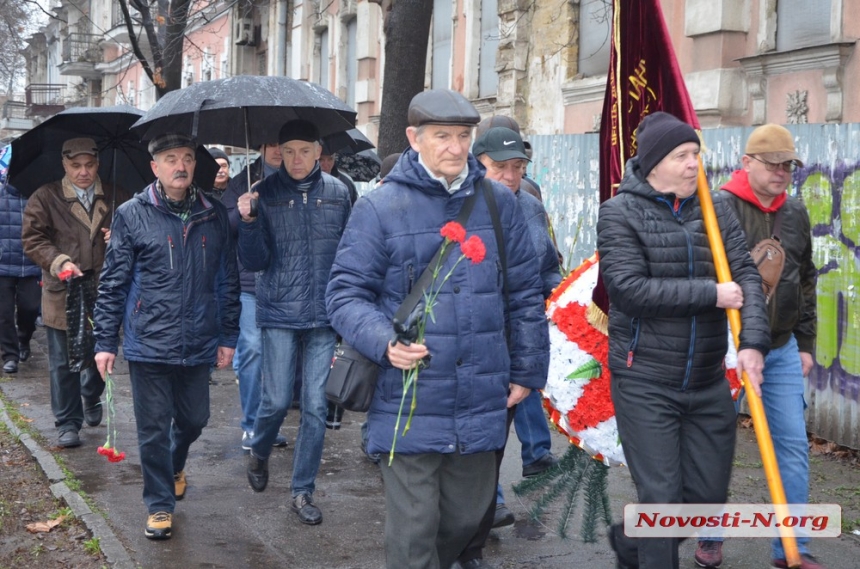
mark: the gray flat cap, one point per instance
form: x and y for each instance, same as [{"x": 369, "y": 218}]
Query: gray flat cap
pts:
[
  {"x": 442, "y": 106},
  {"x": 170, "y": 141}
]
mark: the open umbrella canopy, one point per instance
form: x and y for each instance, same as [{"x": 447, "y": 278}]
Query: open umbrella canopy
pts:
[
  {"x": 224, "y": 110},
  {"x": 37, "y": 159},
  {"x": 346, "y": 142},
  {"x": 361, "y": 167}
]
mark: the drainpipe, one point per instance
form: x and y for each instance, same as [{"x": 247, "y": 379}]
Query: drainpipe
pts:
[{"x": 280, "y": 54}]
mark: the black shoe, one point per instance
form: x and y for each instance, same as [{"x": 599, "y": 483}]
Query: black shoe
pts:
[
  {"x": 308, "y": 513},
  {"x": 11, "y": 366},
  {"x": 23, "y": 352},
  {"x": 503, "y": 517},
  {"x": 258, "y": 472},
  {"x": 69, "y": 439},
  {"x": 475, "y": 564},
  {"x": 93, "y": 412},
  {"x": 545, "y": 462},
  {"x": 334, "y": 416},
  {"x": 626, "y": 558}
]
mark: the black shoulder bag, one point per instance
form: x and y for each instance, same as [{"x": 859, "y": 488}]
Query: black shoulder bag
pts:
[{"x": 352, "y": 377}]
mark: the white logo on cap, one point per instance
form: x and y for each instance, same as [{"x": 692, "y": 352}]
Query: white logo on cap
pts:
[{"x": 508, "y": 142}]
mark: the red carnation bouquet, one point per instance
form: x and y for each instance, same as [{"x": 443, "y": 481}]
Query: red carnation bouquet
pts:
[
  {"x": 109, "y": 449},
  {"x": 471, "y": 248}
]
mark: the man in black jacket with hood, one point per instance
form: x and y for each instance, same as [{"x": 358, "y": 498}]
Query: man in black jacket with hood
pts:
[{"x": 668, "y": 332}]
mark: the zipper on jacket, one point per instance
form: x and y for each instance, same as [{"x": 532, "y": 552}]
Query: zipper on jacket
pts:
[
  {"x": 290, "y": 203},
  {"x": 411, "y": 272},
  {"x": 634, "y": 332},
  {"x": 170, "y": 250},
  {"x": 319, "y": 203},
  {"x": 498, "y": 274},
  {"x": 690, "y": 355},
  {"x": 304, "y": 198},
  {"x": 204, "y": 250}
]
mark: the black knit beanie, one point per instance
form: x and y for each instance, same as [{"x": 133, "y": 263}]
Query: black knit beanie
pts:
[
  {"x": 659, "y": 134},
  {"x": 217, "y": 153}
]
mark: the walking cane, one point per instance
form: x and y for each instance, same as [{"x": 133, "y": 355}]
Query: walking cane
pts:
[{"x": 762, "y": 431}]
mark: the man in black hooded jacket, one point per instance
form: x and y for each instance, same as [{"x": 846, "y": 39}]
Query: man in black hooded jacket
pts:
[{"x": 668, "y": 331}]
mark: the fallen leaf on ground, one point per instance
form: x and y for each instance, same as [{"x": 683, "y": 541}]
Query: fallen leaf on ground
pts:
[{"x": 44, "y": 527}]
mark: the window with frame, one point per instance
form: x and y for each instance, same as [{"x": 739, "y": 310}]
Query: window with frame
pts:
[
  {"x": 595, "y": 27},
  {"x": 443, "y": 31},
  {"x": 488, "y": 79},
  {"x": 802, "y": 23}
]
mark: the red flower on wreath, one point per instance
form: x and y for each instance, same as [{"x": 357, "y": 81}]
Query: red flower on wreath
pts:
[
  {"x": 473, "y": 249},
  {"x": 453, "y": 231}
]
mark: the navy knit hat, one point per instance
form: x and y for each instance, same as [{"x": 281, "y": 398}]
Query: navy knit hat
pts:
[
  {"x": 659, "y": 134},
  {"x": 217, "y": 153},
  {"x": 298, "y": 130}
]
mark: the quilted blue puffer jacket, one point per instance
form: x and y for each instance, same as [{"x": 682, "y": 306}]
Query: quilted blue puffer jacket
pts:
[
  {"x": 391, "y": 236},
  {"x": 293, "y": 241},
  {"x": 13, "y": 261},
  {"x": 173, "y": 285}
]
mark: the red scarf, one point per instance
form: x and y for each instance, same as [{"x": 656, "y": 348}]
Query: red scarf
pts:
[{"x": 739, "y": 185}]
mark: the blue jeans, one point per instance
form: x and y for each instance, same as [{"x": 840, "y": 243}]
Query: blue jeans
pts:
[
  {"x": 532, "y": 428},
  {"x": 68, "y": 387},
  {"x": 280, "y": 347},
  {"x": 782, "y": 397},
  {"x": 248, "y": 360},
  {"x": 171, "y": 407}
]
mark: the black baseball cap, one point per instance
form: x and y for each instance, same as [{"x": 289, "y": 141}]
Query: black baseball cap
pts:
[{"x": 500, "y": 144}]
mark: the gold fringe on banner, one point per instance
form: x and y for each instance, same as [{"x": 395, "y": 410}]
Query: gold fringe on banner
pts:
[{"x": 597, "y": 318}]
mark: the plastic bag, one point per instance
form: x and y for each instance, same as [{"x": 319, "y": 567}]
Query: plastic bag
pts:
[{"x": 80, "y": 303}]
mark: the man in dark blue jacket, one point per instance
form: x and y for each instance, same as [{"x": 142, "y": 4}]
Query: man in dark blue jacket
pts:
[
  {"x": 170, "y": 280},
  {"x": 441, "y": 479},
  {"x": 292, "y": 238},
  {"x": 20, "y": 293}
]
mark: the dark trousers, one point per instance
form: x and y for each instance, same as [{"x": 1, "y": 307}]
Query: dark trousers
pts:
[
  {"x": 171, "y": 407},
  {"x": 433, "y": 503},
  {"x": 679, "y": 447},
  {"x": 67, "y": 387},
  {"x": 475, "y": 547},
  {"x": 18, "y": 297}
]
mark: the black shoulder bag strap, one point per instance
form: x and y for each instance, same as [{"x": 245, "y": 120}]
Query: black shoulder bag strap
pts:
[
  {"x": 777, "y": 224},
  {"x": 401, "y": 317},
  {"x": 500, "y": 243}
]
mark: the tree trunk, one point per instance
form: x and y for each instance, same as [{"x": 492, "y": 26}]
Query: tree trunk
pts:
[
  {"x": 174, "y": 42},
  {"x": 407, "y": 29}
]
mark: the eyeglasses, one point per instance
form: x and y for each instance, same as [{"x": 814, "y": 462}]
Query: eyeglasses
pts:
[{"x": 788, "y": 166}]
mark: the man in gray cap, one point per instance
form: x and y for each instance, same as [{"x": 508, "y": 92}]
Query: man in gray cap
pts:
[
  {"x": 441, "y": 479},
  {"x": 65, "y": 231},
  {"x": 291, "y": 239},
  {"x": 170, "y": 281}
]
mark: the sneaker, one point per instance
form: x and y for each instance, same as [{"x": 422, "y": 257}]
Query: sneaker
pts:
[
  {"x": 179, "y": 485},
  {"x": 545, "y": 462},
  {"x": 308, "y": 513},
  {"x": 806, "y": 562},
  {"x": 709, "y": 554},
  {"x": 247, "y": 436},
  {"x": 158, "y": 525}
]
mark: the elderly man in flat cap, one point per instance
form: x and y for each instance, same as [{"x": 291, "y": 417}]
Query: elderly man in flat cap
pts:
[
  {"x": 65, "y": 231},
  {"x": 291, "y": 237},
  {"x": 441, "y": 478},
  {"x": 170, "y": 280}
]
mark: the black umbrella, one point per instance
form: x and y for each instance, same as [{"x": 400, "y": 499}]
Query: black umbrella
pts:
[
  {"x": 347, "y": 142},
  {"x": 37, "y": 159},
  {"x": 247, "y": 110},
  {"x": 361, "y": 167}
]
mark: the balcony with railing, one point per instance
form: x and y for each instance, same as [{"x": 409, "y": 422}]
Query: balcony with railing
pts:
[
  {"x": 44, "y": 99},
  {"x": 81, "y": 52},
  {"x": 118, "y": 31},
  {"x": 13, "y": 116}
]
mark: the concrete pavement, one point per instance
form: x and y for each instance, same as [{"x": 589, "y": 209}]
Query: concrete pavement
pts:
[{"x": 223, "y": 523}]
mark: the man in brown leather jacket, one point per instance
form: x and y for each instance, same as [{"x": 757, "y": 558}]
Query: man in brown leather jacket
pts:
[{"x": 66, "y": 228}]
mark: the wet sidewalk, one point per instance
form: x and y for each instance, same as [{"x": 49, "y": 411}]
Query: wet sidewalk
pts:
[{"x": 223, "y": 523}]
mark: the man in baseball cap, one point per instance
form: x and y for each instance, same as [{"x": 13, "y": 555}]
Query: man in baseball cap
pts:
[{"x": 440, "y": 479}]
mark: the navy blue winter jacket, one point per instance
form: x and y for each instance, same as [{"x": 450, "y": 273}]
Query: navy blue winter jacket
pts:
[
  {"x": 391, "y": 237},
  {"x": 538, "y": 224},
  {"x": 13, "y": 261},
  {"x": 293, "y": 241},
  {"x": 173, "y": 285},
  {"x": 239, "y": 185}
]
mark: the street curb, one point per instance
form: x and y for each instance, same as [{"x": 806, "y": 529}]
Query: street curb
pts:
[{"x": 116, "y": 554}]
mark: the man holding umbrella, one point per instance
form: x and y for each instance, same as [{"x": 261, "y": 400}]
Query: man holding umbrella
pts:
[
  {"x": 65, "y": 231},
  {"x": 292, "y": 238},
  {"x": 170, "y": 279}
]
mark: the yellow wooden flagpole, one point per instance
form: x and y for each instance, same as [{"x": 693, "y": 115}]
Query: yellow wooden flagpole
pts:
[{"x": 762, "y": 431}]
